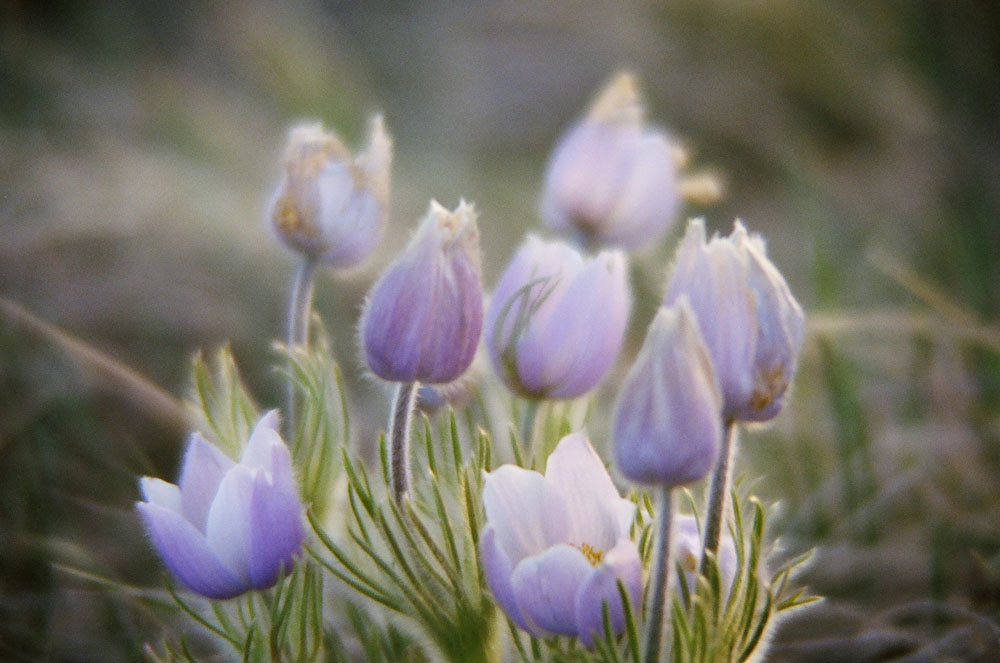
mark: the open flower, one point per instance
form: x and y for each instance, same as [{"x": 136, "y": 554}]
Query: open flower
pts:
[
  {"x": 555, "y": 546},
  {"x": 612, "y": 179},
  {"x": 556, "y": 320},
  {"x": 424, "y": 315},
  {"x": 227, "y": 527},
  {"x": 329, "y": 205},
  {"x": 751, "y": 323}
]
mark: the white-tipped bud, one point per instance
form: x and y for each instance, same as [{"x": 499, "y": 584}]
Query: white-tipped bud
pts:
[
  {"x": 611, "y": 179},
  {"x": 329, "y": 205}
]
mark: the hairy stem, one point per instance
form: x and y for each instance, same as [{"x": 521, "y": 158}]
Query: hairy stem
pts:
[
  {"x": 659, "y": 576},
  {"x": 528, "y": 422},
  {"x": 299, "y": 312},
  {"x": 717, "y": 493},
  {"x": 399, "y": 437}
]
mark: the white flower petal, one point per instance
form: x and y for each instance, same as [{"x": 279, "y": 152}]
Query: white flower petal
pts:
[
  {"x": 229, "y": 521},
  {"x": 161, "y": 493},
  {"x": 527, "y": 511},
  {"x": 202, "y": 472}
]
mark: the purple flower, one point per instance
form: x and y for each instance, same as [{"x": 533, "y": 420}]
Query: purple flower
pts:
[
  {"x": 556, "y": 320},
  {"x": 687, "y": 549},
  {"x": 750, "y": 321},
  {"x": 666, "y": 427},
  {"x": 329, "y": 205},
  {"x": 555, "y": 546},
  {"x": 227, "y": 527},
  {"x": 610, "y": 178},
  {"x": 424, "y": 315}
]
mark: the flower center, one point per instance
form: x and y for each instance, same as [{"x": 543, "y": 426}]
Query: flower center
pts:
[{"x": 593, "y": 555}]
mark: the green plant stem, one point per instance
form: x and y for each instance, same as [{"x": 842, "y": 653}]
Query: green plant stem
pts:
[
  {"x": 399, "y": 437},
  {"x": 299, "y": 313},
  {"x": 659, "y": 576},
  {"x": 528, "y": 422},
  {"x": 717, "y": 493}
]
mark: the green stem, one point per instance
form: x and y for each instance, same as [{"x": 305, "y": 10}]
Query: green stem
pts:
[
  {"x": 299, "y": 313},
  {"x": 399, "y": 437},
  {"x": 717, "y": 493},
  {"x": 659, "y": 576},
  {"x": 528, "y": 422}
]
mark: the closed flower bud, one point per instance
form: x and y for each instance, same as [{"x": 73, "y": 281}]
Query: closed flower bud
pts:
[
  {"x": 666, "y": 427},
  {"x": 227, "y": 527},
  {"x": 424, "y": 315},
  {"x": 555, "y": 546},
  {"x": 329, "y": 205},
  {"x": 556, "y": 320},
  {"x": 611, "y": 179},
  {"x": 750, "y": 321}
]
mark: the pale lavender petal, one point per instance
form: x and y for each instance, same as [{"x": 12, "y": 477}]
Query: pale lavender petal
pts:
[
  {"x": 202, "y": 471},
  {"x": 601, "y": 586},
  {"x": 186, "y": 553},
  {"x": 593, "y": 502},
  {"x": 229, "y": 520},
  {"x": 276, "y": 531},
  {"x": 161, "y": 493},
  {"x": 648, "y": 203},
  {"x": 497, "y": 569},
  {"x": 263, "y": 438},
  {"x": 527, "y": 511},
  {"x": 546, "y": 588}
]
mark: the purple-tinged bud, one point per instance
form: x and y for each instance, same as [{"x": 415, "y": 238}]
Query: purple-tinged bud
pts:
[
  {"x": 666, "y": 428},
  {"x": 329, "y": 205},
  {"x": 752, "y": 325},
  {"x": 556, "y": 320},
  {"x": 611, "y": 179},
  {"x": 424, "y": 315},
  {"x": 227, "y": 527}
]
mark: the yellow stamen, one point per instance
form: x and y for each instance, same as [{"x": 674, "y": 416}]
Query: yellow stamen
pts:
[{"x": 593, "y": 556}]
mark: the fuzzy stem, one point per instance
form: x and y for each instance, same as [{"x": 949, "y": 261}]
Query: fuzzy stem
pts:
[
  {"x": 717, "y": 493},
  {"x": 528, "y": 422},
  {"x": 659, "y": 576},
  {"x": 299, "y": 312},
  {"x": 399, "y": 437}
]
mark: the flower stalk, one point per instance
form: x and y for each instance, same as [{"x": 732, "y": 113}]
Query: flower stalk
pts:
[
  {"x": 299, "y": 313},
  {"x": 717, "y": 492},
  {"x": 659, "y": 576},
  {"x": 528, "y": 419},
  {"x": 399, "y": 437}
]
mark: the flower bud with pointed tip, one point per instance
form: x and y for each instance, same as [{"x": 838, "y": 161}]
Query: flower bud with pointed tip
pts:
[
  {"x": 329, "y": 205},
  {"x": 750, "y": 321},
  {"x": 611, "y": 178},
  {"x": 556, "y": 320},
  {"x": 227, "y": 527},
  {"x": 424, "y": 315},
  {"x": 666, "y": 427}
]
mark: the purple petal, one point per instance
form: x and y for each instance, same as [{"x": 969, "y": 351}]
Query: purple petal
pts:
[
  {"x": 594, "y": 505},
  {"x": 497, "y": 569},
  {"x": 186, "y": 553},
  {"x": 546, "y": 585},
  {"x": 202, "y": 472},
  {"x": 229, "y": 520},
  {"x": 161, "y": 493},
  {"x": 527, "y": 511},
  {"x": 600, "y": 586},
  {"x": 264, "y": 436},
  {"x": 276, "y": 531}
]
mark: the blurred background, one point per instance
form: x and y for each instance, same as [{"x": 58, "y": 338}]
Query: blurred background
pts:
[{"x": 139, "y": 142}]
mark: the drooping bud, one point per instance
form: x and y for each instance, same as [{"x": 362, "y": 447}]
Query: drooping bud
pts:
[
  {"x": 424, "y": 315},
  {"x": 752, "y": 325},
  {"x": 329, "y": 205},
  {"x": 666, "y": 428},
  {"x": 556, "y": 320},
  {"x": 611, "y": 179}
]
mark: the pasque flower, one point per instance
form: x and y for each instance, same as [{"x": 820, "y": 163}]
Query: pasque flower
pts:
[
  {"x": 611, "y": 179},
  {"x": 555, "y": 546},
  {"x": 424, "y": 315},
  {"x": 556, "y": 320},
  {"x": 227, "y": 527},
  {"x": 329, "y": 205},
  {"x": 750, "y": 321},
  {"x": 687, "y": 551},
  {"x": 666, "y": 426}
]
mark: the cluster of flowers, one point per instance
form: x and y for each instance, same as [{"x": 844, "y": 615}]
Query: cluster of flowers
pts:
[{"x": 721, "y": 349}]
